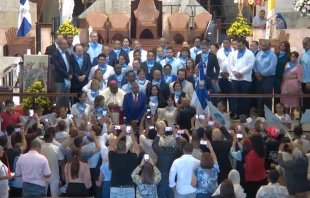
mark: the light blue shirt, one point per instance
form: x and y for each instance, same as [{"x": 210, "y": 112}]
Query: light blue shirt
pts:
[
  {"x": 305, "y": 62},
  {"x": 175, "y": 64},
  {"x": 192, "y": 54},
  {"x": 258, "y": 21},
  {"x": 92, "y": 162},
  {"x": 266, "y": 63},
  {"x": 127, "y": 88},
  {"x": 104, "y": 168},
  {"x": 64, "y": 57},
  {"x": 94, "y": 52},
  {"x": 236, "y": 154}
]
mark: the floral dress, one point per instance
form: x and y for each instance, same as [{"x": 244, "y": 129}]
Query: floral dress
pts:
[
  {"x": 207, "y": 182},
  {"x": 145, "y": 190}
]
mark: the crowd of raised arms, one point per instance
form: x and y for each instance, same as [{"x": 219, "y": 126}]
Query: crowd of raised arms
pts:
[{"x": 133, "y": 131}]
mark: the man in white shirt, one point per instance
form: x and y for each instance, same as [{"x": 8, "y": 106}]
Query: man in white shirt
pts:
[
  {"x": 106, "y": 69},
  {"x": 183, "y": 168},
  {"x": 34, "y": 169},
  {"x": 240, "y": 66},
  {"x": 223, "y": 80},
  {"x": 61, "y": 134},
  {"x": 137, "y": 46},
  {"x": 273, "y": 189},
  {"x": 54, "y": 157}
]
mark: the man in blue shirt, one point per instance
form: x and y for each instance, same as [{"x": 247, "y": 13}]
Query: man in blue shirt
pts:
[
  {"x": 305, "y": 62},
  {"x": 265, "y": 68},
  {"x": 259, "y": 22},
  {"x": 94, "y": 47},
  {"x": 175, "y": 63}
]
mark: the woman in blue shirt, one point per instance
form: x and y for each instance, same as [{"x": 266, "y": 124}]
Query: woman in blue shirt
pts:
[{"x": 205, "y": 177}]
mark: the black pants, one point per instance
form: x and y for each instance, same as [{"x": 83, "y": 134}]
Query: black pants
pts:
[
  {"x": 265, "y": 86},
  {"x": 15, "y": 192},
  {"x": 226, "y": 88},
  {"x": 242, "y": 104},
  {"x": 305, "y": 101},
  {"x": 94, "y": 190},
  {"x": 76, "y": 190},
  {"x": 253, "y": 187}
]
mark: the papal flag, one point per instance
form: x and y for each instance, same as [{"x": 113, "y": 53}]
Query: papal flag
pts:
[
  {"x": 201, "y": 97},
  {"x": 24, "y": 18}
]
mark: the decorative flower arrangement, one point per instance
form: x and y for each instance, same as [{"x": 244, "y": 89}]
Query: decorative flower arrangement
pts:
[
  {"x": 240, "y": 28},
  {"x": 43, "y": 101},
  {"x": 67, "y": 28},
  {"x": 303, "y": 7}
]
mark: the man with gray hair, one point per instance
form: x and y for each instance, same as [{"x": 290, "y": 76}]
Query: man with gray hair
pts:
[
  {"x": 165, "y": 156},
  {"x": 296, "y": 172},
  {"x": 265, "y": 70}
]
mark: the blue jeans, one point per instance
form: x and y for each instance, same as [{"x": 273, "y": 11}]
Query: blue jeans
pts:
[
  {"x": 105, "y": 189},
  {"x": 201, "y": 195},
  {"x": 164, "y": 191},
  {"x": 122, "y": 192},
  {"x": 242, "y": 103},
  {"x": 33, "y": 190}
]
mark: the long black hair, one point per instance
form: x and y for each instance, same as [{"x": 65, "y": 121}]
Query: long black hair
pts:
[{"x": 258, "y": 145}]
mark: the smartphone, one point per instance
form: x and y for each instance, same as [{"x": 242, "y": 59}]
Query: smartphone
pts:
[
  {"x": 148, "y": 110},
  {"x": 203, "y": 142},
  {"x": 45, "y": 120},
  {"x": 168, "y": 129},
  {"x": 31, "y": 112},
  {"x": 104, "y": 112},
  {"x": 197, "y": 117},
  {"x": 117, "y": 127},
  {"x": 277, "y": 131},
  {"x": 211, "y": 123},
  {"x": 69, "y": 116},
  {"x": 305, "y": 137},
  {"x": 202, "y": 117},
  {"x": 240, "y": 136},
  {"x": 80, "y": 116},
  {"x": 146, "y": 157},
  {"x": 180, "y": 131},
  {"x": 148, "y": 117},
  {"x": 86, "y": 134},
  {"x": 239, "y": 128},
  {"x": 175, "y": 126},
  {"x": 17, "y": 130},
  {"x": 128, "y": 129},
  {"x": 151, "y": 127}
]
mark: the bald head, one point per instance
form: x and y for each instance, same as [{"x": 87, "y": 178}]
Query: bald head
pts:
[
  {"x": 157, "y": 75},
  {"x": 216, "y": 134}
]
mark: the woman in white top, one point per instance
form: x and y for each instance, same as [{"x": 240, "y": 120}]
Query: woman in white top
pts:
[
  {"x": 81, "y": 108},
  {"x": 169, "y": 113},
  {"x": 4, "y": 178},
  {"x": 94, "y": 91},
  {"x": 141, "y": 80},
  {"x": 99, "y": 77},
  {"x": 285, "y": 118},
  {"x": 234, "y": 177}
]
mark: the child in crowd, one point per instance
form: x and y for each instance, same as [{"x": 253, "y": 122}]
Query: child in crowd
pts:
[
  {"x": 254, "y": 116},
  {"x": 9, "y": 117},
  {"x": 222, "y": 108},
  {"x": 63, "y": 116},
  {"x": 141, "y": 78},
  {"x": 285, "y": 118}
]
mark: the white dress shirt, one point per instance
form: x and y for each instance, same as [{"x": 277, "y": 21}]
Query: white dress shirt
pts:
[
  {"x": 106, "y": 75},
  {"x": 222, "y": 60},
  {"x": 272, "y": 191},
  {"x": 143, "y": 56},
  {"x": 243, "y": 65},
  {"x": 183, "y": 168}
]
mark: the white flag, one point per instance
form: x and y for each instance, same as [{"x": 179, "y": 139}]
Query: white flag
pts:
[{"x": 218, "y": 116}]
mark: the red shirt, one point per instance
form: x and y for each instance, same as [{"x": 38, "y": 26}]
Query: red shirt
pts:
[
  {"x": 9, "y": 118},
  {"x": 255, "y": 167}
]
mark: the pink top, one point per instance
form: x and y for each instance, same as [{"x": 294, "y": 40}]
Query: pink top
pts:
[
  {"x": 84, "y": 175},
  {"x": 32, "y": 166}
]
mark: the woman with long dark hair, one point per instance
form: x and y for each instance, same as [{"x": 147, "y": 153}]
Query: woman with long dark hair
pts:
[
  {"x": 168, "y": 113},
  {"x": 154, "y": 98},
  {"x": 255, "y": 173},
  {"x": 283, "y": 59},
  {"x": 148, "y": 180},
  {"x": 77, "y": 176}
]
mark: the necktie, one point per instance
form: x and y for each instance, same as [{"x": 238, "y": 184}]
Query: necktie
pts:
[{"x": 135, "y": 100}]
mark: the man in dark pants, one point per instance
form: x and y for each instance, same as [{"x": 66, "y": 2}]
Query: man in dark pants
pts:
[
  {"x": 241, "y": 63},
  {"x": 254, "y": 48},
  {"x": 305, "y": 62},
  {"x": 265, "y": 68}
]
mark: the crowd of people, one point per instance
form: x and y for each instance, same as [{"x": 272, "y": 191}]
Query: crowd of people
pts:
[{"x": 131, "y": 130}]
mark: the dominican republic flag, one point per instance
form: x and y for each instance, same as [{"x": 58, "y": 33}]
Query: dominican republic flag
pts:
[
  {"x": 201, "y": 97},
  {"x": 24, "y": 18}
]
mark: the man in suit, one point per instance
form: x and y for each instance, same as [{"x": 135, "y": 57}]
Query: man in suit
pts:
[
  {"x": 134, "y": 104},
  {"x": 105, "y": 51},
  {"x": 50, "y": 50},
  {"x": 197, "y": 47},
  {"x": 62, "y": 73},
  {"x": 118, "y": 77},
  {"x": 80, "y": 62},
  {"x": 114, "y": 54},
  {"x": 187, "y": 87},
  {"x": 211, "y": 62},
  {"x": 163, "y": 87},
  {"x": 185, "y": 113},
  {"x": 150, "y": 66}
]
